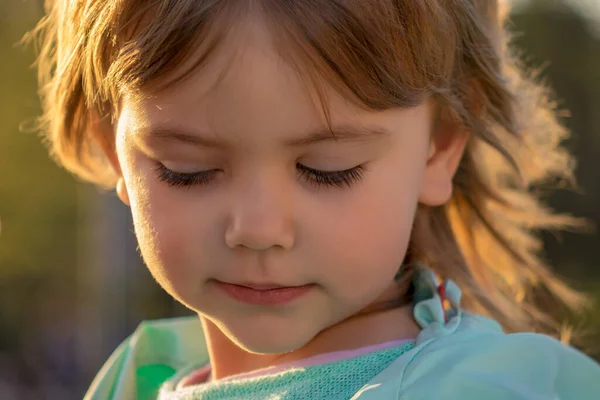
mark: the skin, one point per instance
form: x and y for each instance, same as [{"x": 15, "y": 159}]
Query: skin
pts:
[{"x": 259, "y": 221}]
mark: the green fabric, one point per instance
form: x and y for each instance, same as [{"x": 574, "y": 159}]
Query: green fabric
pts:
[
  {"x": 468, "y": 357},
  {"x": 150, "y": 377},
  {"x": 145, "y": 360},
  {"x": 334, "y": 380}
]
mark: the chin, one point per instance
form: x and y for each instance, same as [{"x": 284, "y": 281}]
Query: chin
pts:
[
  {"x": 270, "y": 335},
  {"x": 269, "y": 347}
]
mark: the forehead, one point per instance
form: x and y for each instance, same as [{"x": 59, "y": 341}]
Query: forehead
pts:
[
  {"x": 245, "y": 70},
  {"x": 248, "y": 87}
]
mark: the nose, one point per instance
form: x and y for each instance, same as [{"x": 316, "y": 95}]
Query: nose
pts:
[{"x": 261, "y": 217}]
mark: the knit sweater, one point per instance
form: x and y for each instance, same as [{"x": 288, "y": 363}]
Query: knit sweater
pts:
[{"x": 333, "y": 380}]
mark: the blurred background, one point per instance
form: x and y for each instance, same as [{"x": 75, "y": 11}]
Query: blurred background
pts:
[{"x": 72, "y": 286}]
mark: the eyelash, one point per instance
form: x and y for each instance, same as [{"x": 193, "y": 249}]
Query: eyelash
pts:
[{"x": 337, "y": 179}]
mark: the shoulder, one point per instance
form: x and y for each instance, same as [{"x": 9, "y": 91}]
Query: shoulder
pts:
[
  {"x": 493, "y": 365},
  {"x": 151, "y": 355},
  {"x": 460, "y": 355}
]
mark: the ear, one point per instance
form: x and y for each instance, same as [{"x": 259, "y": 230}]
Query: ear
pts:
[
  {"x": 104, "y": 133},
  {"x": 447, "y": 146}
]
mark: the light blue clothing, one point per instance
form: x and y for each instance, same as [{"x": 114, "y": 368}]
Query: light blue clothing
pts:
[{"x": 468, "y": 357}]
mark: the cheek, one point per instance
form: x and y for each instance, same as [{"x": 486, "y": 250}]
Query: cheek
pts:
[
  {"x": 172, "y": 231},
  {"x": 363, "y": 239}
]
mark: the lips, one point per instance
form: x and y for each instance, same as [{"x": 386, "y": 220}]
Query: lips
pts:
[
  {"x": 264, "y": 294},
  {"x": 263, "y": 286}
]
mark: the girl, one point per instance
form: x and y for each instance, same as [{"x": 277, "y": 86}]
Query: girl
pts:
[{"x": 341, "y": 190}]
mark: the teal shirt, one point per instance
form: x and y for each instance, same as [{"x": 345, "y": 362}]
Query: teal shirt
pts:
[{"x": 466, "y": 357}]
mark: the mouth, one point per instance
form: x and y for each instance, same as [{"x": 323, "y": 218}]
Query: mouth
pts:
[
  {"x": 263, "y": 286},
  {"x": 264, "y": 294}
]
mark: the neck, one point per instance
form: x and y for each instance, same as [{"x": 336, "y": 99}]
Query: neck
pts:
[{"x": 227, "y": 359}]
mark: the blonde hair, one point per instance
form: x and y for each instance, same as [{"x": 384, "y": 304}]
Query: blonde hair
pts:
[{"x": 380, "y": 54}]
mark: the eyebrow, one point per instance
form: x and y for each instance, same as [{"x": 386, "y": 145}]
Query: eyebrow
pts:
[{"x": 342, "y": 133}]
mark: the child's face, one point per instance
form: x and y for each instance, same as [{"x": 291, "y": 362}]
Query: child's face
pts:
[{"x": 257, "y": 219}]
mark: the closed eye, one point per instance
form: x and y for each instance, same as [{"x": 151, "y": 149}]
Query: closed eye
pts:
[{"x": 319, "y": 178}]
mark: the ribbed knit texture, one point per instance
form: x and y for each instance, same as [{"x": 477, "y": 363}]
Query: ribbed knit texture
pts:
[{"x": 333, "y": 381}]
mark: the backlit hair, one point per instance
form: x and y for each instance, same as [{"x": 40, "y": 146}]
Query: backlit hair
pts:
[{"x": 379, "y": 54}]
